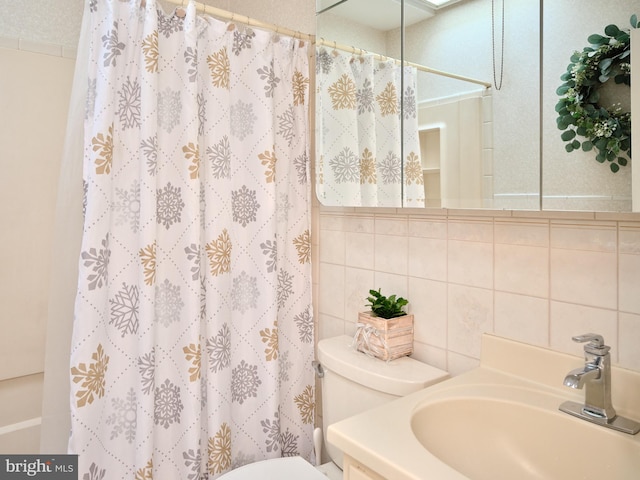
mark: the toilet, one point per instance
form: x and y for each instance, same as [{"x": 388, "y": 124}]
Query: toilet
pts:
[{"x": 351, "y": 383}]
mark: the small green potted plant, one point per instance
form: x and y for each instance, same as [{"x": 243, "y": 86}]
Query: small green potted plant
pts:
[
  {"x": 386, "y": 331},
  {"x": 384, "y": 307}
]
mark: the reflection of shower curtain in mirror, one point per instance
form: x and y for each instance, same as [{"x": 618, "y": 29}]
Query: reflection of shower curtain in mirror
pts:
[{"x": 359, "y": 147}]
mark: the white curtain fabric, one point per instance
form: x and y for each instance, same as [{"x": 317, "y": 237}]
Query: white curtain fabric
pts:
[
  {"x": 359, "y": 132},
  {"x": 193, "y": 328}
]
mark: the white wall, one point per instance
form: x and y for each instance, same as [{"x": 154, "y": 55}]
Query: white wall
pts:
[
  {"x": 337, "y": 29},
  {"x": 34, "y": 96}
]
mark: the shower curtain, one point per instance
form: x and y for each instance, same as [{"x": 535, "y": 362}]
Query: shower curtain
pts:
[
  {"x": 361, "y": 160},
  {"x": 193, "y": 328}
]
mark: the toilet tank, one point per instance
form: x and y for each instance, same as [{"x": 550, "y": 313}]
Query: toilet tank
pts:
[{"x": 354, "y": 382}]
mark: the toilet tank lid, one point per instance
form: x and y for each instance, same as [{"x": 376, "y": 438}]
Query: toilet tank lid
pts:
[{"x": 399, "y": 377}]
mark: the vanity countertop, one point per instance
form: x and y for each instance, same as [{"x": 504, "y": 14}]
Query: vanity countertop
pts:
[{"x": 382, "y": 438}]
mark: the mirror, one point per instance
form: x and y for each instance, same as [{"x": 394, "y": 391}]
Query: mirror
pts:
[
  {"x": 475, "y": 146},
  {"x": 523, "y": 153},
  {"x": 497, "y": 165}
]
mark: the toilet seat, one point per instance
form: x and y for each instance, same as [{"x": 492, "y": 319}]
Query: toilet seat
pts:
[{"x": 287, "y": 468}]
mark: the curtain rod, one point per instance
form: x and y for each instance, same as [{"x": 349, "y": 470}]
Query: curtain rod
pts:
[
  {"x": 417, "y": 66},
  {"x": 226, "y": 15}
]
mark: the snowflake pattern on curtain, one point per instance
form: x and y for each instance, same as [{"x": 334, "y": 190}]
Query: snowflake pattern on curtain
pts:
[{"x": 193, "y": 332}]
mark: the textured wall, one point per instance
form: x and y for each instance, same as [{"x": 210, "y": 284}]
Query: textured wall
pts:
[
  {"x": 43, "y": 21},
  {"x": 58, "y": 21}
]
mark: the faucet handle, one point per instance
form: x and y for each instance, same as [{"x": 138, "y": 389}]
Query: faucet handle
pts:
[
  {"x": 593, "y": 338},
  {"x": 595, "y": 343}
]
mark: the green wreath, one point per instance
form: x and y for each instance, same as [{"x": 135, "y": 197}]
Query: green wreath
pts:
[{"x": 580, "y": 114}]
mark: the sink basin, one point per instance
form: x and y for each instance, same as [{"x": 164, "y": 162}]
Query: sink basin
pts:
[
  {"x": 492, "y": 438},
  {"x": 499, "y": 421}
]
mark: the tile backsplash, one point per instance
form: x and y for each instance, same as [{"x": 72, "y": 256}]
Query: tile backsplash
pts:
[{"x": 535, "y": 277}]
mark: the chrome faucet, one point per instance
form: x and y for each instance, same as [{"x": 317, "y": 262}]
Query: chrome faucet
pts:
[{"x": 595, "y": 378}]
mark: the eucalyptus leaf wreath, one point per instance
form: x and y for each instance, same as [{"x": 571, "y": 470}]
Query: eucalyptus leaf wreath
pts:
[{"x": 605, "y": 130}]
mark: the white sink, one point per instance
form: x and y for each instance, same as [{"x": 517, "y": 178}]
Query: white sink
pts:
[
  {"x": 499, "y": 421},
  {"x": 488, "y": 438}
]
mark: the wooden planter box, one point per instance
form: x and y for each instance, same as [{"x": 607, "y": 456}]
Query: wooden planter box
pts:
[{"x": 384, "y": 339}]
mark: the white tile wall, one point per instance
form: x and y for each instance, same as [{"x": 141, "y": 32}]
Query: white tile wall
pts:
[
  {"x": 522, "y": 317},
  {"x": 584, "y": 263},
  {"x": 629, "y": 268},
  {"x": 629, "y": 327},
  {"x": 535, "y": 277}
]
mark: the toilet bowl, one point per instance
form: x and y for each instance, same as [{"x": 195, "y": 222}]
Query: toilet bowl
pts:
[
  {"x": 351, "y": 383},
  {"x": 286, "y": 468}
]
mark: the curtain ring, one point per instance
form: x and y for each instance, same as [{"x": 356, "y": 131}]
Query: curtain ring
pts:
[{"x": 180, "y": 11}]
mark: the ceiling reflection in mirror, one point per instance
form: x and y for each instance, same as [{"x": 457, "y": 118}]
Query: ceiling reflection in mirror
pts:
[{"x": 474, "y": 147}]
